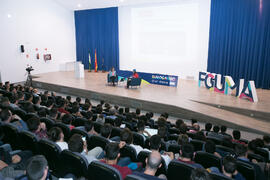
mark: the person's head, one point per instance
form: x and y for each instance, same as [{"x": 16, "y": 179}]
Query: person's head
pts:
[
  {"x": 6, "y": 115},
  {"x": 117, "y": 122},
  {"x": 42, "y": 112},
  {"x": 67, "y": 119},
  {"x": 216, "y": 129},
  {"x": 28, "y": 107},
  {"x": 182, "y": 139},
  {"x": 223, "y": 129},
  {"x": 126, "y": 136},
  {"x": 199, "y": 136},
  {"x": 36, "y": 99},
  {"x": 20, "y": 95},
  {"x": 75, "y": 108},
  {"x": 165, "y": 115},
  {"x": 266, "y": 139},
  {"x": 88, "y": 115},
  {"x": 121, "y": 111},
  {"x": 236, "y": 134},
  {"x": 62, "y": 103},
  {"x": 193, "y": 121},
  {"x": 200, "y": 174},
  {"x": 126, "y": 109},
  {"x": 178, "y": 123},
  {"x": 240, "y": 150},
  {"x": 161, "y": 122},
  {"x": 208, "y": 126},
  {"x": 50, "y": 103},
  {"x": 86, "y": 106},
  {"x": 138, "y": 111},
  {"x": 13, "y": 98},
  {"x": 229, "y": 165},
  {"x": 183, "y": 128},
  {"x": 37, "y": 168},
  {"x": 112, "y": 151},
  {"x": 134, "y": 71},
  {"x": 155, "y": 142},
  {"x": 140, "y": 125},
  {"x": 87, "y": 101},
  {"x": 89, "y": 126},
  {"x": 56, "y": 134},
  {"x": 153, "y": 162},
  {"x": 162, "y": 132},
  {"x": 187, "y": 151},
  {"x": 75, "y": 143},
  {"x": 196, "y": 126},
  {"x": 210, "y": 147},
  {"x": 106, "y": 130},
  {"x": 28, "y": 97},
  {"x": 112, "y": 69},
  {"x": 33, "y": 124},
  {"x": 254, "y": 144},
  {"x": 53, "y": 113},
  {"x": 68, "y": 98}
]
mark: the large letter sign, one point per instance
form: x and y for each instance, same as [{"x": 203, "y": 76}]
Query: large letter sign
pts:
[{"x": 225, "y": 85}]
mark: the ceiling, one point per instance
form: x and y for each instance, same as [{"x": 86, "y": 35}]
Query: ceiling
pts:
[{"x": 92, "y": 4}]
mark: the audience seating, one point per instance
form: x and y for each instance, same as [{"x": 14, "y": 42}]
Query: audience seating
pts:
[
  {"x": 246, "y": 170},
  {"x": 79, "y": 122},
  {"x": 174, "y": 131},
  {"x": 226, "y": 150},
  {"x": 30, "y": 115},
  {"x": 264, "y": 153},
  {"x": 217, "y": 141},
  {"x": 99, "y": 170},
  {"x": 21, "y": 113},
  {"x": 128, "y": 151},
  {"x": 207, "y": 160},
  {"x": 257, "y": 157},
  {"x": 109, "y": 81},
  {"x": 97, "y": 126},
  {"x": 173, "y": 137},
  {"x": 116, "y": 132},
  {"x": 11, "y": 136},
  {"x": 79, "y": 131},
  {"x": 198, "y": 144},
  {"x": 175, "y": 148},
  {"x": 72, "y": 162},
  {"x": 28, "y": 141},
  {"x": 216, "y": 176},
  {"x": 52, "y": 153},
  {"x": 179, "y": 170},
  {"x": 138, "y": 139},
  {"x": 65, "y": 129},
  {"x": 49, "y": 122},
  {"x": 134, "y": 177},
  {"x": 96, "y": 141}
]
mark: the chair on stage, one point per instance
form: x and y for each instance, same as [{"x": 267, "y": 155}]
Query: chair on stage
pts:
[
  {"x": 135, "y": 82},
  {"x": 109, "y": 81}
]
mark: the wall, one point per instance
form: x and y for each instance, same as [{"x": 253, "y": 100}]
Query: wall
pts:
[
  {"x": 167, "y": 38},
  {"x": 35, "y": 24}
]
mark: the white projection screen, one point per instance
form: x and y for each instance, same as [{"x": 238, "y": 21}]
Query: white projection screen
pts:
[{"x": 167, "y": 38}]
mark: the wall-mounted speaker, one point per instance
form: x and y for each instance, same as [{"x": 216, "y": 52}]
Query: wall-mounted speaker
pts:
[{"x": 22, "y": 48}]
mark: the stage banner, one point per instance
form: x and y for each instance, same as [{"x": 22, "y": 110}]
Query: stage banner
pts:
[{"x": 150, "y": 78}]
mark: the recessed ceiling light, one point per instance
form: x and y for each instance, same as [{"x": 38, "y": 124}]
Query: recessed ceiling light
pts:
[
  {"x": 79, "y": 5},
  {"x": 9, "y": 15},
  {"x": 121, "y": 0}
]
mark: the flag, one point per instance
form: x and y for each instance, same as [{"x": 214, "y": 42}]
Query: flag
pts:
[
  {"x": 89, "y": 61},
  {"x": 96, "y": 65}
]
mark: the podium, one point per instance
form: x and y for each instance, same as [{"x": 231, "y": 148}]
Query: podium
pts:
[{"x": 79, "y": 70}]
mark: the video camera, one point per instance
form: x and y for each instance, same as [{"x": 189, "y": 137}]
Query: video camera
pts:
[{"x": 29, "y": 69}]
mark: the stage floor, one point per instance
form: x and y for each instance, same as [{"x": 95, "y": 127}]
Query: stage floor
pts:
[{"x": 186, "y": 101}]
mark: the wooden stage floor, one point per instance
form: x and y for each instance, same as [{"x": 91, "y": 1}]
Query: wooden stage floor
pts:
[{"x": 186, "y": 101}]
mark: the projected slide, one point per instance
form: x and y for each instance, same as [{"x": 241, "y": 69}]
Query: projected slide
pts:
[{"x": 164, "y": 38}]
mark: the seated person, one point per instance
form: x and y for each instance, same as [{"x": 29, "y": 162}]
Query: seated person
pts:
[
  {"x": 134, "y": 75},
  {"x": 6, "y": 116},
  {"x": 56, "y": 135},
  {"x": 105, "y": 132},
  {"x": 76, "y": 144},
  {"x": 200, "y": 174},
  {"x": 112, "y": 76},
  {"x": 236, "y": 137},
  {"x": 153, "y": 162},
  {"x": 89, "y": 128},
  {"x": 112, "y": 154},
  {"x": 186, "y": 155},
  {"x": 229, "y": 168},
  {"x": 36, "y": 127},
  {"x": 210, "y": 147},
  {"x": 141, "y": 130},
  {"x": 215, "y": 133},
  {"x": 68, "y": 119}
]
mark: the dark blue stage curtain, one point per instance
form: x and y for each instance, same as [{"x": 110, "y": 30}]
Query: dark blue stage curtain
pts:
[
  {"x": 239, "y": 40},
  {"x": 97, "y": 29}
]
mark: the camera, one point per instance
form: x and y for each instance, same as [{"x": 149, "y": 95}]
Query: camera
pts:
[{"x": 29, "y": 69}]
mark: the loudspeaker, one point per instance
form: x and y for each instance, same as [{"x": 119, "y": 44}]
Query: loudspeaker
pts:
[{"x": 22, "y": 48}]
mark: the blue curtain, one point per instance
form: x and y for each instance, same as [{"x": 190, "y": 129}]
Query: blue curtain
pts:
[
  {"x": 97, "y": 29},
  {"x": 239, "y": 40}
]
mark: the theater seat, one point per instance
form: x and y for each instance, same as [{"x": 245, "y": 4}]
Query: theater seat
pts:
[
  {"x": 264, "y": 153},
  {"x": 49, "y": 122},
  {"x": 257, "y": 157},
  {"x": 116, "y": 132},
  {"x": 21, "y": 113},
  {"x": 30, "y": 115},
  {"x": 175, "y": 148},
  {"x": 215, "y": 176},
  {"x": 217, "y": 141},
  {"x": 95, "y": 141},
  {"x": 179, "y": 170},
  {"x": 134, "y": 177},
  {"x": 29, "y": 141},
  {"x": 225, "y": 150},
  {"x": 74, "y": 163},
  {"x": 65, "y": 129},
  {"x": 198, "y": 144},
  {"x": 11, "y": 136},
  {"x": 99, "y": 170},
  {"x": 97, "y": 126},
  {"x": 247, "y": 170},
  {"x": 128, "y": 151},
  {"x": 138, "y": 139},
  {"x": 78, "y": 131},
  {"x": 207, "y": 160},
  {"x": 174, "y": 131},
  {"x": 79, "y": 122},
  {"x": 52, "y": 153}
]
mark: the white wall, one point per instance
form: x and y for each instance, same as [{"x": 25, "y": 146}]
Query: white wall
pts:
[
  {"x": 35, "y": 24},
  {"x": 168, "y": 38}
]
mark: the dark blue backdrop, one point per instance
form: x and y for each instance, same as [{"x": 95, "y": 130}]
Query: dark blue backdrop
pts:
[
  {"x": 97, "y": 29},
  {"x": 239, "y": 41}
]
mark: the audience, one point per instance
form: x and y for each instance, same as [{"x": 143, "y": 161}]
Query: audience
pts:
[
  {"x": 36, "y": 127},
  {"x": 186, "y": 155},
  {"x": 56, "y": 135}
]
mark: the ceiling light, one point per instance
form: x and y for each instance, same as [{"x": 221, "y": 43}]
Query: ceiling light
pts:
[
  {"x": 79, "y": 5},
  {"x": 9, "y": 15}
]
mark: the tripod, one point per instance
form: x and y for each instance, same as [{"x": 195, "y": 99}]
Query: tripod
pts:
[{"x": 28, "y": 81}]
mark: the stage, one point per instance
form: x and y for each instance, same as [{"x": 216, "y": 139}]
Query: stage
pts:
[{"x": 186, "y": 101}]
